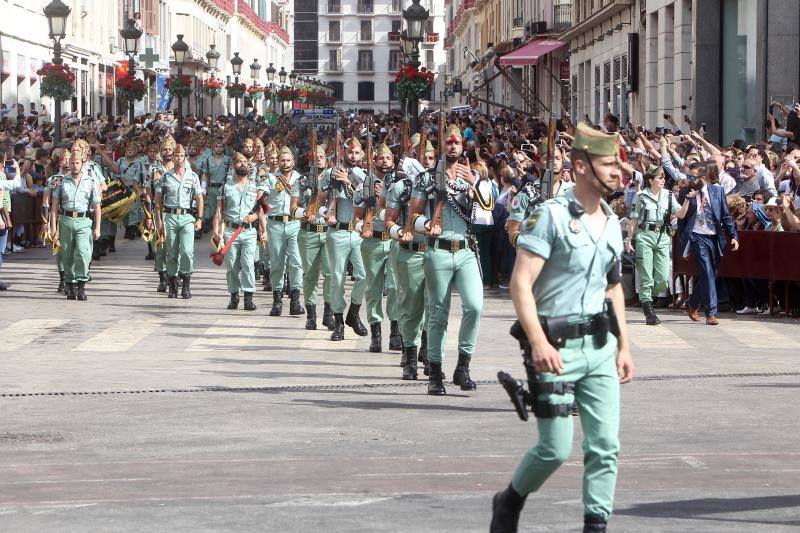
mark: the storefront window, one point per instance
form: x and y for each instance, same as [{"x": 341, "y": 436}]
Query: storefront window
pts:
[{"x": 739, "y": 114}]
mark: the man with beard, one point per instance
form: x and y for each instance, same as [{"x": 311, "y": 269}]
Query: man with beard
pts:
[
  {"x": 344, "y": 242},
  {"x": 160, "y": 167},
  {"x": 450, "y": 260},
  {"x": 237, "y": 203},
  {"x": 177, "y": 188},
  {"x": 379, "y": 256},
  {"x": 261, "y": 172},
  {"x": 73, "y": 200},
  {"x": 283, "y": 230},
  {"x": 215, "y": 171},
  {"x": 313, "y": 252}
]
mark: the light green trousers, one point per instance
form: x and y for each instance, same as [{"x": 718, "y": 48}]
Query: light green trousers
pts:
[
  {"x": 652, "y": 263},
  {"x": 75, "y": 235},
  {"x": 344, "y": 245},
  {"x": 240, "y": 259},
  {"x": 379, "y": 259},
  {"x": 284, "y": 253},
  {"x": 411, "y": 294},
  {"x": 314, "y": 255},
  {"x": 179, "y": 247}
]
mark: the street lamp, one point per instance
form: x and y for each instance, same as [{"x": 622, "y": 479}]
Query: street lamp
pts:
[
  {"x": 212, "y": 56},
  {"x": 130, "y": 45},
  {"x": 415, "y": 16},
  {"x": 292, "y": 78},
  {"x": 236, "y": 65},
  {"x": 180, "y": 48},
  {"x": 255, "y": 68},
  {"x": 282, "y": 76},
  {"x": 270, "y": 77},
  {"x": 57, "y": 13}
]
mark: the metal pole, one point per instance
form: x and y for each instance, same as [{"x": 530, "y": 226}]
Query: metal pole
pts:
[
  {"x": 180, "y": 100},
  {"x": 236, "y": 81},
  {"x": 131, "y": 70},
  {"x": 413, "y": 101},
  {"x": 57, "y": 104}
]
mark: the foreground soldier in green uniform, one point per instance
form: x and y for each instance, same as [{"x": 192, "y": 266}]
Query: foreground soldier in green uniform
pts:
[
  {"x": 52, "y": 184},
  {"x": 345, "y": 183},
  {"x": 313, "y": 251},
  {"x": 652, "y": 212},
  {"x": 159, "y": 168},
  {"x": 177, "y": 188},
  {"x": 379, "y": 254},
  {"x": 450, "y": 259},
  {"x": 236, "y": 206},
  {"x": 215, "y": 171},
  {"x": 569, "y": 253},
  {"x": 73, "y": 201}
]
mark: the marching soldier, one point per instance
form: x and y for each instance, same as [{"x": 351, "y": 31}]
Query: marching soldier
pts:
[
  {"x": 379, "y": 254},
  {"x": 237, "y": 203},
  {"x": 52, "y": 184},
  {"x": 313, "y": 251},
  {"x": 568, "y": 264},
  {"x": 176, "y": 190},
  {"x": 450, "y": 259},
  {"x": 261, "y": 176},
  {"x": 215, "y": 172},
  {"x": 522, "y": 205},
  {"x": 73, "y": 201},
  {"x": 162, "y": 166},
  {"x": 147, "y": 165},
  {"x": 344, "y": 243},
  {"x": 283, "y": 231}
]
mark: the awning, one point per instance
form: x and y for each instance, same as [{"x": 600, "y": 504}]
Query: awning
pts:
[{"x": 530, "y": 52}]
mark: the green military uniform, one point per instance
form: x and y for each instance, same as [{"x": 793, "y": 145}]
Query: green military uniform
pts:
[
  {"x": 344, "y": 244},
  {"x": 524, "y": 202},
  {"x": 160, "y": 250},
  {"x": 76, "y": 200},
  {"x": 313, "y": 253},
  {"x": 580, "y": 264},
  {"x": 177, "y": 197},
  {"x": 130, "y": 170},
  {"x": 52, "y": 184},
  {"x": 216, "y": 170},
  {"x": 653, "y": 242}
]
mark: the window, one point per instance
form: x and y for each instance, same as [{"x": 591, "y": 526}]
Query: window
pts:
[
  {"x": 607, "y": 86},
  {"x": 623, "y": 110},
  {"x": 740, "y": 73},
  {"x": 335, "y": 60},
  {"x": 394, "y": 94},
  {"x": 366, "y": 91},
  {"x": 366, "y": 31},
  {"x": 617, "y": 89},
  {"x": 334, "y": 31},
  {"x": 596, "y": 94},
  {"x": 365, "y": 7},
  {"x": 395, "y": 60},
  {"x": 338, "y": 89},
  {"x": 397, "y": 25},
  {"x": 429, "y": 64},
  {"x": 365, "y": 61},
  {"x": 397, "y": 6},
  {"x": 334, "y": 6}
]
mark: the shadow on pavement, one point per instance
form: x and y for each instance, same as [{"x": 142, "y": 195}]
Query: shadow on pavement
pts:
[{"x": 378, "y": 406}]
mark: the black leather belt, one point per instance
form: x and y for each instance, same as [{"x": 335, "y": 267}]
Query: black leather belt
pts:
[
  {"x": 343, "y": 225},
  {"x": 444, "y": 244},
  {"x": 73, "y": 214},
  {"x": 280, "y": 218},
  {"x": 177, "y": 211},
  {"x": 651, "y": 227},
  {"x": 414, "y": 246},
  {"x": 382, "y": 236},
  {"x": 315, "y": 228},
  {"x": 234, "y": 225}
]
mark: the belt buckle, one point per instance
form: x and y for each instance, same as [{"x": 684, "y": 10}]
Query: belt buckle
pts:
[
  {"x": 384, "y": 235},
  {"x": 285, "y": 219},
  {"x": 455, "y": 246},
  {"x": 320, "y": 228},
  {"x": 420, "y": 247},
  {"x": 74, "y": 214},
  {"x": 350, "y": 226}
]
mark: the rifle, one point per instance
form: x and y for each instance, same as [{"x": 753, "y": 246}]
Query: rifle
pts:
[
  {"x": 313, "y": 177},
  {"x": 404, "y": 136},
  {"x": 370, "y": 188},
  {"x": 334, "y": 184},
  {"x": 441, "y": 174}
]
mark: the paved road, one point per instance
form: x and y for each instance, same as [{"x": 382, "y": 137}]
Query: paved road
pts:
[{"x": 135, "y": 412}]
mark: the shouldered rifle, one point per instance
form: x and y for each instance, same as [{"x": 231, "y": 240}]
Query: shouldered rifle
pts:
[
  {"x": 334, "y": 185},
  {"x": 313, "y": 175},
  {"x": 369, "y": 189},
  {"x": 441, "y": 174},
  {"x": 404, "y": 136}
]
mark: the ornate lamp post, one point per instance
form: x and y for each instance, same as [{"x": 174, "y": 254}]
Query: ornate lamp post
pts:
[
  {"x": 212, "y": 56},
  {"x": 415, "y": 17},
  {"x": 270, "y": 77},
  {"x": 57, "y": 13},
  {"x": 255, "y": 69},
  {"x": 130, "y": 45},
  {"x": 180, "y": 48},
  {"x": 236, "y": 65},
  {"x": 282, "y": 77}
]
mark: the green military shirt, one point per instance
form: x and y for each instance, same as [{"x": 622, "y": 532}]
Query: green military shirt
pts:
[
  {"x": 573, "y": 280},
  {"x": 280, "y": 200},
  {"x": 649, "y": 209},
  {"x": 129, "y": 170},
  {"x": 302, "y": 192},
  {"x": 78, "y": 196},
  {"x": 179, "y": 193},
  {"x": 454, "y": 227},
  {"x": 521, "y": 205},
  {"x": 216, "y": 169},
  {"x": 398, "y": 196},
  {"x": 95, "y": 171},
  {"x": 237, "y": 202},
  {"x": 345, "y": 205}
]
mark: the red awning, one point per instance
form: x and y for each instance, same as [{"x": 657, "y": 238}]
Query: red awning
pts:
[{"x": 530, "y": 52}]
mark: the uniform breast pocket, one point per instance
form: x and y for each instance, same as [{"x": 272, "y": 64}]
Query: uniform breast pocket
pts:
[
  {"x": 579, "y": 252},
  {"x": 651, "y": 213}
]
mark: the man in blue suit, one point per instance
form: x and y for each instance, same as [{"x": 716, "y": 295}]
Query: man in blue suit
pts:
[{"x": 702, "y": 218}]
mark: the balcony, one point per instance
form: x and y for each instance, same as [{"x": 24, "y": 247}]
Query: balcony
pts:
[
  {"x": 394, "y": 36},
  {"x": 333, "y": 38},
  {"x": 334, "y": 66},
  {"x": 517, "y": 22},
  {"x": 334, "y": 7},
  {"x": 366, "y": 66},
  {"x": 431, "y": 39},
  {"x": 562, "y": 17},
  {"x": 365, "y": 8}
]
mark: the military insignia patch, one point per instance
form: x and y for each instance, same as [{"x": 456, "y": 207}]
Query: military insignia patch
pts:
[
  {"x": 515, "y": 202},
  {"x": 531, "y": 222},
  {"x": 575, "y": 225}
]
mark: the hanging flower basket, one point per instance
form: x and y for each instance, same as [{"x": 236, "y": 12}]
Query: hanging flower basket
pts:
[
  {"x": 287, "y": 95},
  {"x": 179, "y": 85},
  {"x": 256, "y": 92},
  {"x": 57, "y": 81},
  {"x": 413, "y": 83},
  {"x": 130, "y": 89},
  {"x": 212, "y": 87},
  {"x": 236, "y": 90}
]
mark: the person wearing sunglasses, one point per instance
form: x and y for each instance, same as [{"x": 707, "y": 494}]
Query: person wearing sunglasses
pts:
[{"x": 748, "y": 182}]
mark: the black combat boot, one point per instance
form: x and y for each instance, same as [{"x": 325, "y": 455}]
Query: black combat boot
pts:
[
  {"x": 277, "y": 304},
  {"x": 506, "y": 508},
  {"x": 173, "y": 286},
  {"x": 286, "y": 283},
  {"x": 70, "y": 291},
  {"x": 338, "y": 327},
  {"x": 80, "y": 294},
  {"x": 162, "y": 282},
  {"x": 150, "y": 255},
  {"x": 327, "y": 316},
  {"x": 295, "y": 307},
  {"x": 267, "y": 281},
  {"x": 248, "y": 302},
  {"x": 185, "y": 288},
  {"x": 311, "y": 317},
  {"x": 594, "y": 524},
  {"x": 111, "y": 244},
  {"x": 375, "y": 330},
  {"x": 354, "y": 321},
  {"x": 60, "y": 282},
  {"x": 102, "y": 246},
  {"x": 234, "y": 303},
  {"x": 422, "y": 357},
  {"x": 198, "y": 234},
  {"x": 435, "y": 385},
  {"x": 395, "y": 340},
  {"x": 410, "y": 368},
  {"x": 461, "y": 373},
  {"x": 650, "y": 314},
  {"x": 96, "y": 251},
  {"x": 403, "y": 356}
]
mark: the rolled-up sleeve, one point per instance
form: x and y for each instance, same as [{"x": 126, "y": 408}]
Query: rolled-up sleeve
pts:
[{"x": 537, "y": 233}]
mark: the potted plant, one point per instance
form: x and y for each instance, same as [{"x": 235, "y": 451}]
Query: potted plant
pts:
[
  {"x": 57, "y": 81},
  {"x": 412, "y": 82}
]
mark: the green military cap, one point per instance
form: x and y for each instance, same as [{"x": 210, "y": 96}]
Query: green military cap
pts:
[
  {"x": 382, "y": 149},
  {"x": 596, "y": 142},
  {"x": 415, "y": 143},
  {"x": 352, "y": 143},
  {"x": 654, "y": 171},
  {"x": 453, "y": 133},
  {"x": 237, "y": 157},
  {"x": 285, "y": 150}
]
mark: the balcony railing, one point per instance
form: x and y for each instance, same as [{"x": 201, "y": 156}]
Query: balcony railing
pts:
[
  {"x": 334, "y": 7},
  {"x": 365, "y": 37},
  {"x": 562, "y": 17},
  {"x": 334, "y": 66},
  {"x": 394, "y": 36},
  {"x": 334, "y": 37},
  {"x": 366, "y": 66},
  {"x": 365, "y": 8}
]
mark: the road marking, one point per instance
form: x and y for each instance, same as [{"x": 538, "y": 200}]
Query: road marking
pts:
[
  {"x": 693, "y": 462},
  {"x": 121, "y": 336},
  {"x": 27, "y": 330},
  {"x": 328, "y": 502},
  {"x": 660, "y": 336},
  {"x": 225, "y": 333},
  {"x": 753, "y": 334}
]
